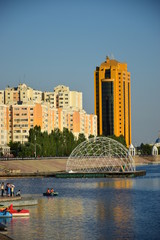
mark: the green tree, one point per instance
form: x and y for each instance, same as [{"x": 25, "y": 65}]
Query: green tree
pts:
[
  {"x": 81, "y": 138},
  {"x": 68, "y": 142},
  {"x": 119, "y": 139},
  {"x": 91, "y": 136},
  {"x": 145, "y": 149},
  {"x": 15, "y": 148}
]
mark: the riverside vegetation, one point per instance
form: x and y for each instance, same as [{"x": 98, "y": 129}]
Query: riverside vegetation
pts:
[{"x": 55, "y": 144}]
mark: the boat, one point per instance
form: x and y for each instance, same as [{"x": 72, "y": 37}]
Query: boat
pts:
[
  {"x": 18, "y": 213},
  {"x": 50, "y": 194},
  {"x": 5, "y": 214}
]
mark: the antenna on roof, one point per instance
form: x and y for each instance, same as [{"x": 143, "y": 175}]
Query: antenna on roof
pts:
[{"x": 112, "y": 56}]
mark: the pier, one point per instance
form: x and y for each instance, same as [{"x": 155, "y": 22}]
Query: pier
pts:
[{"x": 17, "y": 201}]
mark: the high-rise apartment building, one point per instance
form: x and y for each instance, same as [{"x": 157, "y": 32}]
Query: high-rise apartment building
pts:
[
  {"x": 62, "y": 97},
  {"x": 113, "y": 99},
  {"x": 22, "y": 93},
  {"x": 3, "y": 124},
  {"x": 1, "y": 96},
  {"x": 21, "y": 119},
  {"x": 23, "y": 108}
]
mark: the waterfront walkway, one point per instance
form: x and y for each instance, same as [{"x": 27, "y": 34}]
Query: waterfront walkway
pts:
[
  {"x": 49, "y": 167},
  {"x": 6, "y": 198}
]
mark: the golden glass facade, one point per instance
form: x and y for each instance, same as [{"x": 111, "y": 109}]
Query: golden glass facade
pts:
[{"x": 112, "y": 94}]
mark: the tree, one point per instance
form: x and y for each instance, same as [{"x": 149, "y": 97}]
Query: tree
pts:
[
  {"x": 15, "y": 148},
  {"x": 91, "y": 136},
  {"x": 68, "y": 142},
  {"x": 145, "y": 149},
  {"x": 81, "y": 138},
  {"x": 119, "y": 139}
]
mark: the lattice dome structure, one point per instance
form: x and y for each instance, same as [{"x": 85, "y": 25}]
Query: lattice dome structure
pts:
[{"x": 101, "y": 154}]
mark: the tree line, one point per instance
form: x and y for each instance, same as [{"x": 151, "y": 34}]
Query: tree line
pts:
[
  {"x": 42, "y": 144},
  {"x": 59, "y": 144}
]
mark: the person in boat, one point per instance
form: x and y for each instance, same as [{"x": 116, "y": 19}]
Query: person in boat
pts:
[
  {"x": 2, "y": 189},
  {"x": 18, "y": 194},
  {"x": 48, "y": 191},
  {"x": 52, "y": 190}
]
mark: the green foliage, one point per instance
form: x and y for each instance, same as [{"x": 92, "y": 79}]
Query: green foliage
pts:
[
  {"x": 145, "y": 149},
  {"x": 119, "y": 139},
  {"x": 91, "y": 136},
  {"x": 81, "y": 138},
  {"x": 55, "y": 144},
  {"x": 15, "y": 148}
]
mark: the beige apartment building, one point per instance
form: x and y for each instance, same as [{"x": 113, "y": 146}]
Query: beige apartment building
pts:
[
  {"x": 22, "y": 93},
  {"x": 3, "y": 124},
  {"x": 1, "y": 96},
  {"x": 62, "y": 97},
  {"x": 24, "y": 109},
  {"x": 21, "y": 119},
  {"x": 77, "y": 121}
]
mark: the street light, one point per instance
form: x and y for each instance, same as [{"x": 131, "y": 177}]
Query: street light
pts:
[{"x": 35, "y": 146}]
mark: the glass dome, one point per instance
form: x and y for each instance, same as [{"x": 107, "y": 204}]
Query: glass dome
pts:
[{"x": 101, "y": 154}]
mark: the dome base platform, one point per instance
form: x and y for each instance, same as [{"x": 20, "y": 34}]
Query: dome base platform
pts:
[{"x": 101, "y": 175}]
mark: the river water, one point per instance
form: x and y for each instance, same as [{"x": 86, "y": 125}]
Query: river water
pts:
[{"x": 90, "y": 208}]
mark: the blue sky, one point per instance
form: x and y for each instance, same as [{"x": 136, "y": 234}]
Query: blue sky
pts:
[{"x": 46, "y": 43}]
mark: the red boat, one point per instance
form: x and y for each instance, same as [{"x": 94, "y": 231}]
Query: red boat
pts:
[{"x": 18, "y": 213}]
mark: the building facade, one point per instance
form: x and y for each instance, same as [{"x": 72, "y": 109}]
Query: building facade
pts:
[
  {"x": 62, "y": 97},
  {"x": 26, "y": 108},
  {"x": 3, "y": 124},
  {"x": 112, "y": 94},
  {"x": 22, "y": 93}
]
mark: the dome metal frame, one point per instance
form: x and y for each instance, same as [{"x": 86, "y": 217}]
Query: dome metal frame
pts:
[{"x": 100, "y": 154}]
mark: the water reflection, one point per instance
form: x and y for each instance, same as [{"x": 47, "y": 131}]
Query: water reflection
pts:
[
  {"x": 91, "y": 209},
  {"x": 117, "y": 184}
]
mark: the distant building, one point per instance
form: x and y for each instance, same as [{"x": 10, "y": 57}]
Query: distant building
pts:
[
  {"x": 62, "y": 97},
  {"x": 132, "y": 150},
  {"x": 112, "y": 94},
  {"x": 22, "y": 93},
  {"x": 3, "y": 124},
  {"x": 4, "y": 150},
  {"x": 1, "y": 96},
  {"x": 26, "y": 108},
  {"x": 156, "y": 146}
]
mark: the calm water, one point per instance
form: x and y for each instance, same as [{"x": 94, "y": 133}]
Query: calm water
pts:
[{"x": 91, "y": 208}]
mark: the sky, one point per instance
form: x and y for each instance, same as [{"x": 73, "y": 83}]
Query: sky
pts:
[{"x": 45, "y": 43}]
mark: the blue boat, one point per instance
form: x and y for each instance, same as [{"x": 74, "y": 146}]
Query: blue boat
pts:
[{"x": 5, "y": 214}]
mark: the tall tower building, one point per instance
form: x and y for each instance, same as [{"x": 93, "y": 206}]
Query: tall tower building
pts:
[{"x": 112, "y": 94}]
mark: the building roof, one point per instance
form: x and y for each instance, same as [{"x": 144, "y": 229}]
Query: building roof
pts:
[{"x": 157, "y": 140}]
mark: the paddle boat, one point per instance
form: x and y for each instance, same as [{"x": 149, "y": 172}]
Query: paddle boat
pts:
[
  {"x": 17, "y": 213},
  {"x": 20, "y": 213},
  {"x": 52, "y": 194},
  {"x": 5, "y": 214}
]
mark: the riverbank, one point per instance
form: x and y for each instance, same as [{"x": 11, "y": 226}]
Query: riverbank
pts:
[{"x": 49, "y": 167}]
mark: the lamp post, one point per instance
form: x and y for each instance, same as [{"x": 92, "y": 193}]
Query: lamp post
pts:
[{"x": 35, "y": 146}]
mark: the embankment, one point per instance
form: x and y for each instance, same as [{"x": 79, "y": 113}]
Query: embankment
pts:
[{"x": 50, "y": 166}]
